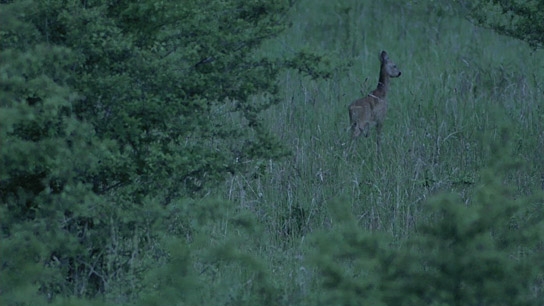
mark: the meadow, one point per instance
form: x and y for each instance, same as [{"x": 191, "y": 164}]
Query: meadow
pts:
[
  {"x": 460, "y": 86},
  {"x": 465, "y": 94},
  {"x": 138, "y": 166}
]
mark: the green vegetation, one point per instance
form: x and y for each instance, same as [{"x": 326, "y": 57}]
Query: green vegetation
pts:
[
  {"x": 197, "y": 153},
  {"x": 520, "y": 19}
]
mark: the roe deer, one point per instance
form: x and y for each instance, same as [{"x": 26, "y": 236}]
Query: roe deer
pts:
[{"x": 370, "y": 111}]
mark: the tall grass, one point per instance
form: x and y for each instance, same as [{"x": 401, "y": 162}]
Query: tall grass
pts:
[{"x": 460, "y": 86}]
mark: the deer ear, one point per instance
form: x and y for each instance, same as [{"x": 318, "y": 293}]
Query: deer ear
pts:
[{"x": 383, "y": 56}]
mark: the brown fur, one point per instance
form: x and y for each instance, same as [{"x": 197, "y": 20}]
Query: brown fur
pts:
[{"x": 371, "y": 110}]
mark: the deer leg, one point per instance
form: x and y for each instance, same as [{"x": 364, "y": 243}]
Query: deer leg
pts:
[
  {"x": 356, "y": 131},
  {"x": 366, "y": 129}
]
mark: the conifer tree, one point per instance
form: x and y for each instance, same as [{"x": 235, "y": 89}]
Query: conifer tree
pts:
[{"x": 112, "y": 110}]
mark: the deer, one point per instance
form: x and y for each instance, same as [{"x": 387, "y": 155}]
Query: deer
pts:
[{"x": 370, "y": 111}]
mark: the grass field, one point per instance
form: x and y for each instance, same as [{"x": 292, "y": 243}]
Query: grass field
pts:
[
  {"x": 461, "y": 88},
  {"x": 128, "y": 177}
]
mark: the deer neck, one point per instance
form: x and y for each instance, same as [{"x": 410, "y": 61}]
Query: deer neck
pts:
[{"x": 383, "y": 84}]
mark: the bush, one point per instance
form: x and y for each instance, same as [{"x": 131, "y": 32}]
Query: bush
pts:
[
  {"x": 112, "y": 111},
  {"x": 485, "y": 253},
  {"x": 519, "y": 19}
]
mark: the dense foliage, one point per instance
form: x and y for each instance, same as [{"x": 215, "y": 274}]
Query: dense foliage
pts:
[
  {"x": 188, "y": 153},
  {"x": 111, "y": 110},
  {"x": 488, "y": 253},
  {"x": 519, "y": 19}
]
